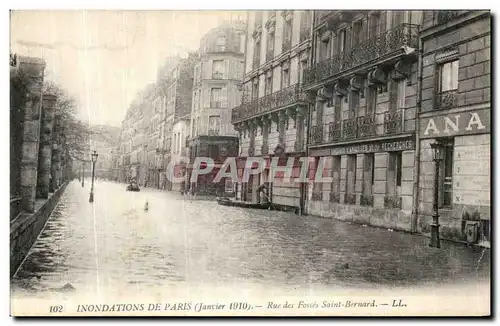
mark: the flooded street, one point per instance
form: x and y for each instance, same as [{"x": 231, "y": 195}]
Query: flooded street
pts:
[{"x": 115, "y": 245}]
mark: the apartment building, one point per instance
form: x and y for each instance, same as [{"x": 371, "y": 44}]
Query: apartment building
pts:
[
  {"x": 363, "y": 122},
  {"x": 271, "y": 118},
  {"x": 179, "y": 96},
  {"x": 216, "y": 89},
  {"x": 456, "y": 114}
]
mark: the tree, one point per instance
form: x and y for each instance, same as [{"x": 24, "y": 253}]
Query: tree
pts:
[{"x": 72, "y": 135}]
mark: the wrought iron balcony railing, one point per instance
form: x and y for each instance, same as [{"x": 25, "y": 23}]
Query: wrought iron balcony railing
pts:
[
  {"x": 214, "y": 132},
  {"x": 445, "y": 16},
  {"x": 373, "y": 49},
  {"x": 365, "y": 127},
  {"x": 282, "y": 98},
  {"x": 316, "y": 134},
  {"x": 446, "y": 100}
]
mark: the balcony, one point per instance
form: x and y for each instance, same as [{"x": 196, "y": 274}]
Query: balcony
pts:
[
  {"x": 214, "y": 132},
  {"x": 446, "y": 100},
  {"x": 316, "y": 134},
  {"x": 280, "y": 99},
  {"x": 385, "y": 45},
  {"x": 365, "y": 127}
]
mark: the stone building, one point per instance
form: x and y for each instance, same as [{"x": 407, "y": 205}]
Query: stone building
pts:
[
  {"x": 38, "y": 169},
  {"x": 217, "y": 76},
  {"x": 363, "y": 122},
  {"x": 103, "y": 139},
  {"x": 179, "y": 96},
  {"x": 456, "y": 111},
  {"x": 271, "y": 117}
]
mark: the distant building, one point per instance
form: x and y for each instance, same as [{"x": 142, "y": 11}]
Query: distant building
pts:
[{"x": 104, "y": 140}]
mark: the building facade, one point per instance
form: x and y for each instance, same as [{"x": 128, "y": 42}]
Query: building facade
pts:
[
  {"x": 103, "y": 139},
  {"x": 456, "y": 112},
  {"x": 363, "y": 122},
  {"x": 271, "y": 118},
  {"x": 178, "y": 102},
  {"x": 216, "y": 89}
]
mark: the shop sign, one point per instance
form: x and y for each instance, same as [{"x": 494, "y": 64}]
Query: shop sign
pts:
[
  {"x": 383, "y": 146},
  {"x": 452, "y": 124}
]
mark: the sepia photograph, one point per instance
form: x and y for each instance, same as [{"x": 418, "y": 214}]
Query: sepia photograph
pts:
[{"x": 257, "y": 163}]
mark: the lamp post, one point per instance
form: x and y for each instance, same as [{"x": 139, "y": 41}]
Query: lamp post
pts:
[
  {"x": 437, "y": 150},
  {"x": 94, "y": 159},
  {"x": 83, "y": 174}
]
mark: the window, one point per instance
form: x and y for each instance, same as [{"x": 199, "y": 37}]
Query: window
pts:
[
  {"x": 270, "y": 45},
  {"x": 446, "y": 177},
  {"x": 368, "y": 174},
  {"x": 214, "y": 125},
  {"x": 371, "y": 100},
  {"x": 213, "y": 151},
  {"x": 336, "y": 174},
  {"x": 221, "y": 43},
  {"x": 357, "y": 32},
  {"x": 217, "y": 69},
  {"x": 351, "y": 174},
  {"x": 269, "y": 84},
  {"x": 325, "y": 49},
  {"x": 256, "y": 54},
  {"x": 285, "y": 78},
  {"x": 302, "y": 68},
  {"x": 255, "y": 89},
  {"x": 401, "y": 93},
  {"x": 342, "y": 40},
  {"x": 215, "y": 97},
  {"x": 394, "y": 171},
  {"x": 241, "y": 37},
  {"x": 198, "y": 124},
  {"x": 449, "y": 76}
]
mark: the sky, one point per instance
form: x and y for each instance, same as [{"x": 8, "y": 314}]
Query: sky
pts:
[{"x": 104, "y": 58}]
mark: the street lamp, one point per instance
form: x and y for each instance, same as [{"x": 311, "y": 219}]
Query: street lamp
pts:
[
  {"x": 437, "y": 151},
  {"x": 94, "y": 159}
]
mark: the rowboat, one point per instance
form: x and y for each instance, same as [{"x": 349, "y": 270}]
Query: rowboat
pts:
[{"x": 243, "y": 204}]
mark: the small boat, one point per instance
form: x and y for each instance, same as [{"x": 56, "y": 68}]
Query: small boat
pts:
[
  {"x": 243, "y": 204},
  {"x": 133, "y": 187}
]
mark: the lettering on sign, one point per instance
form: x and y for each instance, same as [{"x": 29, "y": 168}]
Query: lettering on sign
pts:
[
  {"x": 387, "y": 146},
  {"x": 471, "y": 197},
  {"x": 472, "y": 182},
  {"x": 462, "y": 123}
]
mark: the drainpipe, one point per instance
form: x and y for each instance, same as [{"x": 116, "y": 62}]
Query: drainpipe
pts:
[
  {"x": 309, "y": 114},
  {"x": 416, "y": 177}
]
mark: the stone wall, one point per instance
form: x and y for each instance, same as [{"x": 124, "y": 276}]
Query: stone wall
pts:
[
  {"x": 471, "y": 186},
  {"x": 24, "y": 230}
]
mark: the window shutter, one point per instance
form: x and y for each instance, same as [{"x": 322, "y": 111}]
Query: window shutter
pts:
[
  {"x": 206, "y": 97},
  {"x": 348, "y": 36},
  {"x": 383, "y": 22},
  {"x": 226, "y": 69},
  {"x": 224, "y": 100}
]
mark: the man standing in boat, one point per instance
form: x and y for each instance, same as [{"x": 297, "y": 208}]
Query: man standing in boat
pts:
[{"x": 263, "y": 191}]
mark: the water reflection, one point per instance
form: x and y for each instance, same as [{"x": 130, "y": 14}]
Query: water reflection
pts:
[{"x": 187, "y": 243}]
